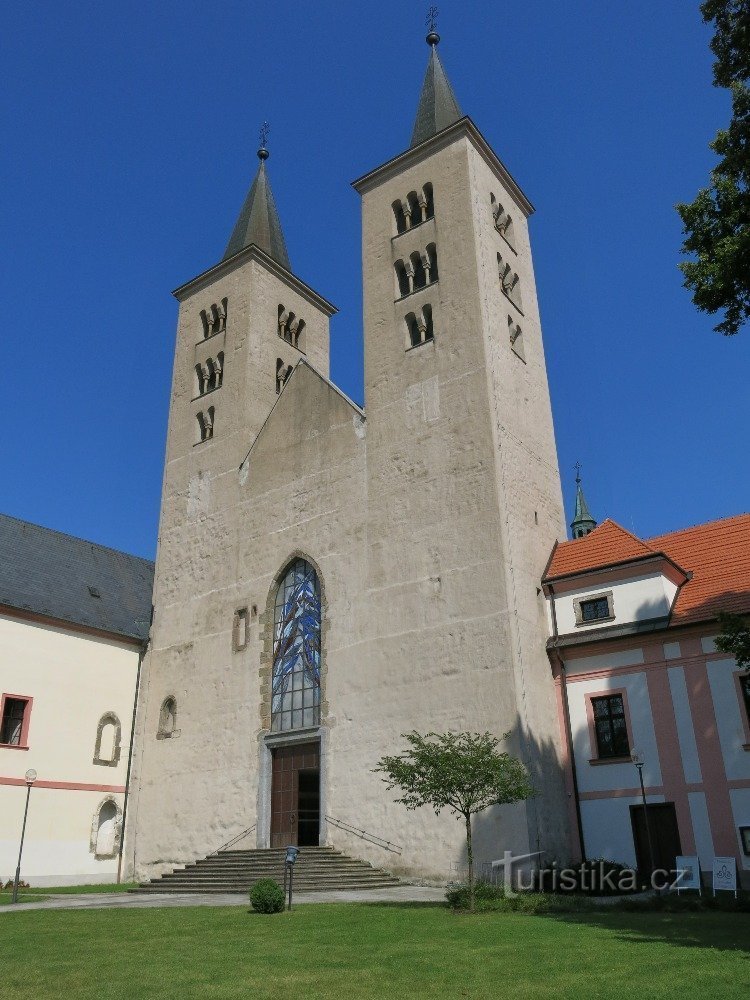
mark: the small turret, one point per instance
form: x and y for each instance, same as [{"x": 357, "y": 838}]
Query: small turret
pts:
[
  {"x": 583, "y": 523},
  {"x": 438, "y": 107}
]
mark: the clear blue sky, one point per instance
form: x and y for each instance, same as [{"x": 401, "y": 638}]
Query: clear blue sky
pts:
[{"x": 129, "y": 138}]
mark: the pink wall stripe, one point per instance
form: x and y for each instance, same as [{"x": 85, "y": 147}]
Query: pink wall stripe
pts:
[
  {"x": 68, "y": 786},
  {"x": 670, "y": 755}
]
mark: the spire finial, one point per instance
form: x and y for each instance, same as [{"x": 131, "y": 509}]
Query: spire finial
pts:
[
  {"x": 431, "y": 21},
  {"x": 263, "y": 153},
  {"x": 578, "y": 468}
]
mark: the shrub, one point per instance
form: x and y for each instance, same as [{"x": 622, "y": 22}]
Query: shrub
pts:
[
  {"x": 457, "y": 893},
  {"x": 593, "y": 877},
  {"x": 267, "y": 896}
]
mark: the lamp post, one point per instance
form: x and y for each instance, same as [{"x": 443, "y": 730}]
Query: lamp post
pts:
[
  {"x": 30, "y": 779},
  {"x": 291, "y": 857},
  {"x": 638, "y": 759}
]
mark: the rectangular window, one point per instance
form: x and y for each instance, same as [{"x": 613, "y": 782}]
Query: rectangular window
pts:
[
  {"x": 745, "y": 686},
  {"x": 594, "y": 610},
  {"x": 610, "y": 726},
  {"x": 12, "y": 726}
]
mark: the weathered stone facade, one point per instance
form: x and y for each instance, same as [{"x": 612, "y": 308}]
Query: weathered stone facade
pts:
[{"x": 429, "y": 522}]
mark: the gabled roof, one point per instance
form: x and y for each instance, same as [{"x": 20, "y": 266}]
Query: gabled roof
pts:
[
  {"x": 607, "y": 544},
  {"x": 58, "y": 576},
  {"x": 716, "y": 557},
  {"x": 438, "y": 107},
  {"x": 258, "y": 221}
]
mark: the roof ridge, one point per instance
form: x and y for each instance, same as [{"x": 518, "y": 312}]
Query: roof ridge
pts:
[
  {"x": 698, "y": 527},
  {"x": 77, "y": 538}
]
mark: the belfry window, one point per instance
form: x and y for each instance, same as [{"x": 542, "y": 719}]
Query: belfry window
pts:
[
  {"x": 205, "y": 425},
  {"x": 295, "y": 679}
]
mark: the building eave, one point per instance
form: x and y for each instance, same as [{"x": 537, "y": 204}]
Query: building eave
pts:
[
  {"x": 70, "y": 625},
  {"x": 653, "y": 557},
  {"x": 254, "y": 252},
  {"x": 464, "y": 127}
]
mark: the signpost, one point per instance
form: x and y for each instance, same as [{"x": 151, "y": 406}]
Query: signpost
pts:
[
  {"x": 725, "y": 875},
  {"x": 688, "y": 873}
]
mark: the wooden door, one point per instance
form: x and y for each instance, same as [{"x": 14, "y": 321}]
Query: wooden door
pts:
[
  {"x": 287, "y": 763},
  {"x": 665, "y": 836}
]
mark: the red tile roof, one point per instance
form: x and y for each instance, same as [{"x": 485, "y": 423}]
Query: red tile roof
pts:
[
  {"x": 717, "y": 555},
  {"x": 606, "y": 544}
]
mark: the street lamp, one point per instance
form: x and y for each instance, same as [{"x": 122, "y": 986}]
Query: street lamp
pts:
[
  {"x": 30, "y": 779},
  {"x": 291, "y": 857},
  {"x": 639, "y": 760}
]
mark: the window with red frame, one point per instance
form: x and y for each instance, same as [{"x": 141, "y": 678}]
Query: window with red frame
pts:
[
  {"x": 745, "y": 685},
  {"x": 11, "y": 726}
]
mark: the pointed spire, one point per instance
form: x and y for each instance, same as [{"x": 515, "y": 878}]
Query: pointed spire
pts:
[
  {"x": 583, "y": 523},
  {"x": 258, "y": 221},
  {"x": 438, "y": 107}
]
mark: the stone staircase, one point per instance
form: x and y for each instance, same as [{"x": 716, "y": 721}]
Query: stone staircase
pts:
[{"x": 316, "y": 869}]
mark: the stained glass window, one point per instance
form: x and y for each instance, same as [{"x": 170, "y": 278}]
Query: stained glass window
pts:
[{"x": 295, "y": 695}]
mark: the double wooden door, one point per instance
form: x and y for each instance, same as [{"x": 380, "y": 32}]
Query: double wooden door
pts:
[
  {"x": 665, "y": 837},
  {"x": 295, "y": 795}
]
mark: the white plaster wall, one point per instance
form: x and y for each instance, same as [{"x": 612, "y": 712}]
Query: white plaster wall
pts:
[
  {"x": 633, "y": 600},
  {"x": 727, "y": 708},
  {"x": 704, "y": 843},
  {"x": 603, "y": 661},
  {"x": 685, "y": 731},
  {"x": 607, "y": 829},
  {"x": 740, "y": 798},
  {"x": 74, "y": 680},
  {"x": 603, "y": 777},
  {"x": 58, "y": 836}
]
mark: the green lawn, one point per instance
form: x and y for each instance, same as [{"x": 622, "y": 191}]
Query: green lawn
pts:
[{"x": 370, "y": 951}]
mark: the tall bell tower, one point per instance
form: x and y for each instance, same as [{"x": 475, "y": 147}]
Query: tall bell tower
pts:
[{"x": 465, "y": 499}]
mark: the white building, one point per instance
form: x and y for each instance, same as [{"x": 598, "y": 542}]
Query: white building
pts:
[
  {"x": 633, "y": 654},
  {"x": 74, "y": 618}
]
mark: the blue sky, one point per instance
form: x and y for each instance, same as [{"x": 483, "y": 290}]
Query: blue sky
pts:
[{"x": 129, "y": 138}]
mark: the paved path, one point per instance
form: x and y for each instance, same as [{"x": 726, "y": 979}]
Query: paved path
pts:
[{"x": 134, "y": 900}]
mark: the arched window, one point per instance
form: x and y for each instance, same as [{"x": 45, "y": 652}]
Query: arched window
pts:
[
  {"x": 412, "y": 329},
  {"x": 415, "y": 209},
  {"x": 299, "y": 340},
  {"x": 402, "y": 278},
  {"x": 167, "y": 719},
  {"x": 211, "y": 380},
  {"x": 219, "y": 368},
  {"x": 432, "y": 258},
  {"x": 106, "y": 830},
  {"x": 295, "y": 683},
  {"x": 398, "y": 214},
  {"x": 420, "y": 275},
  {"x": 427, "y": 315},
  {"x": 107, "y": 746},
  {"x": 200, "y": 380},
  {"x": 429, "y": 210}
]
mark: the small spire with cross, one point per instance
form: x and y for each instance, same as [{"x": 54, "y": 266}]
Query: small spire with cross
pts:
[
  {"x": 578, "y": 468},
  {"x": 431, "y": 22},
  {"x": 263, "y": 153}
]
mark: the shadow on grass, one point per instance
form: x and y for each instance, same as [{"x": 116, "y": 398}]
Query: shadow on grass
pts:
[{"x": 714, "y": 929}]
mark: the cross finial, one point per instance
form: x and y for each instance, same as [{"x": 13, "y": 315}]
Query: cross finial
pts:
[
  {"x": 431, "y": 22},
  {"x": 578, "y": 468},
  {"x": 263, "y": 140}
]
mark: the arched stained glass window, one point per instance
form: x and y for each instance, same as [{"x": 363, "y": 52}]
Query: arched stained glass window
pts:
[{"x": 295, "y": 695}]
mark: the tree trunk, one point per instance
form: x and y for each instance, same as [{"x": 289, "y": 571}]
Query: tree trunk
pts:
[{"x": 470, "y": 857}]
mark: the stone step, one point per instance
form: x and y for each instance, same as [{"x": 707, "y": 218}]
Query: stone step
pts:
[{"x": 317, "y": 869}]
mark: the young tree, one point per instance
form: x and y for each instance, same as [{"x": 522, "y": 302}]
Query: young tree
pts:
[
  {"x": 463, "y": 772},
  {"x": 717, "y": 224},
  {"x": 734, "y": 638}
]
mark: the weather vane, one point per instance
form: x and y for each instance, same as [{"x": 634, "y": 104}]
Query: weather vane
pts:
[
  {"x": 431, "y": 20},
  {"x": 263, "y": 137}
]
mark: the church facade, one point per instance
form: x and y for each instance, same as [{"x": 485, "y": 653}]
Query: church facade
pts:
[{"x": 330, "y": 577}]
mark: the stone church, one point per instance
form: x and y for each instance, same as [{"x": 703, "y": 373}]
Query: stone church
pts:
[{"x": 330, "y": 577}]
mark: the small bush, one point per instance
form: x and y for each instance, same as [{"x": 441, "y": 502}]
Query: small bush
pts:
[
  {"x": 457, "y": 894},
  {"x": 267, "y": 896}
]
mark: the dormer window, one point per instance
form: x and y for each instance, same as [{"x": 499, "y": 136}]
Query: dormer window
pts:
[{"x": 594, "y": 609}]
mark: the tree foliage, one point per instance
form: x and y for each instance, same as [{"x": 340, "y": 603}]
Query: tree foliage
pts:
[
  {"x": 463, "y": 772},
  {"x": 716, "y": 225},
  {"x": 734, "y": 638}
]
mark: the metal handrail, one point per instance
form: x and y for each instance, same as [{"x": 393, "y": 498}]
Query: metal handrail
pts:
[
  {"x": 233, "y": 840},
  {"x": 371, "y": 838}
]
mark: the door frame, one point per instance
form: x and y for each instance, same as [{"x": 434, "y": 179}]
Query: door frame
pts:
[{"x": 267, "y": 743}]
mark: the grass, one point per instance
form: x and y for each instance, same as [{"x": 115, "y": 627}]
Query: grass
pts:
[
  {"x": 371, "y": 952},
  {"x": 7, "y": 897}
]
